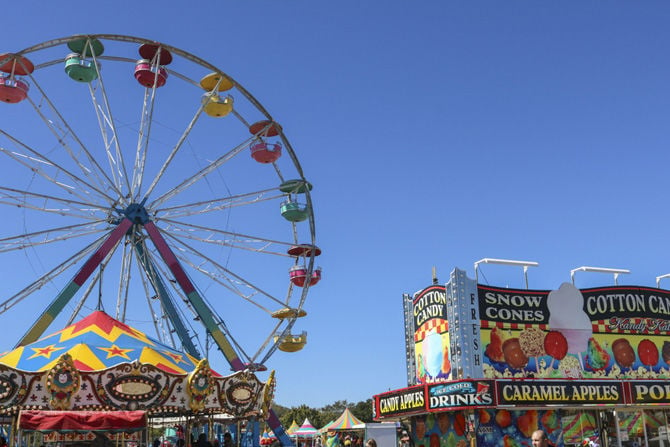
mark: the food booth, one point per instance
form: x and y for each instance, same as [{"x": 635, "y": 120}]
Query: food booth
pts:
[{"x": 490, "y": 365}]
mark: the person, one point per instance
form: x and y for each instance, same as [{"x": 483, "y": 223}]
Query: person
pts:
[
  {"x": 202, "y": 441},
  {"x": 157, "y": 443},
  {"x": 227, "y": 439},
  {"x": 443, "y": 422},
  {"x": 371, "y": 443},
  {"x": 539, "y": 439}
]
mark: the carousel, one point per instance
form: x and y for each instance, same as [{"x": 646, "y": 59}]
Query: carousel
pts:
[{"x": 102, "y": 382}]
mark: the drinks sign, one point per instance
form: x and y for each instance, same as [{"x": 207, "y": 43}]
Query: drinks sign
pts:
[{"x": 461, "y": 394}]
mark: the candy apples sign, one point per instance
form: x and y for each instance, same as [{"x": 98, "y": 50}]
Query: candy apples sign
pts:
[{"x": 402, "y": 402}]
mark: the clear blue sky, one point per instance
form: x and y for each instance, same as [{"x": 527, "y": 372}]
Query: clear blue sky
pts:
[{"x": 436, "y": 133}]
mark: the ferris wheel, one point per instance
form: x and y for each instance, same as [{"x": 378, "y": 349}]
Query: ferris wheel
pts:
[{"x": 140, "y": 179}]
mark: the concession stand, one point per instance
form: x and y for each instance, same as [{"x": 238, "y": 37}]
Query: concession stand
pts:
[
  {"x": 102, "y": 383},
  {"x": 488, "y": 366}
]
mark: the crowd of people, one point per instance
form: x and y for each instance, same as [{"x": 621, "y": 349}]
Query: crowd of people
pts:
[{"x": 202, "y": 441}]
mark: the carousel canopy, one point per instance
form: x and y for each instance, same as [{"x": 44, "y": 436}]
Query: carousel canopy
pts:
[
  {"x": 346, "y": 421},
  {"x": 101, "y": 364},
  {"x": 95, "y": 343},
  {"x": 47, "y": 421},
  {"x": 306, "y": 430}
]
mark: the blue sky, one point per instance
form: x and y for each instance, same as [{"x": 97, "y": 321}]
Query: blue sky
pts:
[{"x": 436, "y": 133}]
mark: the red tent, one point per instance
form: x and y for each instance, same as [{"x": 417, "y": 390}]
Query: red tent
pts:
[{"x": 61, "y": 421}]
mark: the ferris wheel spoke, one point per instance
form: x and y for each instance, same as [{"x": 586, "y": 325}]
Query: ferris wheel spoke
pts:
[
  {"x": 106, "y": 121},
  {"x": 274, "y": 346},
  {"x": 223, "y": 275},
  {"x": 43, "y": 203},
  {"x": 143, "y": 137},
  {"x": 47, "y": 277},
  {"x": 200, "y": 306},
  {"x": 174, "y": 151},
  {"x": 161, "y": 327},
  {"x": 265, "y": 343},
  {"x": 155, "y": 275},
  {"x": 145, "y": 126},
  {"x": 156, "y": 319},
  {"x": 221, "y": 324},
  {"x": 223, "y": 281},
  {"x": 87, "y": 293},
  {"x": 27, "y": 240},
  {"x": 105, "y": 248},
  {"x": 61, "y": 131},
  {"x": 213, "y": 166},
  {"x": 218, "y": 204},
  {"x": 14, "y": 194},
  {"x": 37, "y": 163},
  {"x": 44, "y": 209},
  {"x": 232, "y": 239},
  {"x": 124, "y": 283}
]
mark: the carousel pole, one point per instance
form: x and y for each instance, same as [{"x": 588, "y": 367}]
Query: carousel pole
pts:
[
  {"x": 14, "y": 431},
  {"x": 210, "y": 427}
]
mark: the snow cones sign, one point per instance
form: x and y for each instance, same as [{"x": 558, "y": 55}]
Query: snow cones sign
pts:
[{"x": 610, "y": 332}]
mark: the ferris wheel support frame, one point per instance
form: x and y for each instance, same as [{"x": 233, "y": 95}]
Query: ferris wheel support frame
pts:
[
  {"x": 166, "y": 300},
  {"x": 205, "y": 315},
  {"x": 202, "y": 310},
  {"x": 64, "y": 297}
]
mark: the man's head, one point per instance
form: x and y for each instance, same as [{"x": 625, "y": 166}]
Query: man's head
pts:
[{"x": 539, "y": 438}]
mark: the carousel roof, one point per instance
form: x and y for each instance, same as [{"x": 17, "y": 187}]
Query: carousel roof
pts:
[{"x": 95, "y": 343}]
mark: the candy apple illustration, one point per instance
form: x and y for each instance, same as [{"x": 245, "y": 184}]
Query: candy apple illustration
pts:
[
  {"x": 647, "y": 351},
  {"x": 503, "y": 418},
  {"x": 555, "y": 345}
]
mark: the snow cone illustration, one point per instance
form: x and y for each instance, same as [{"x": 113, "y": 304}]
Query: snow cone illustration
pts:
[
  {"x": 567, "y": 316},
  {"x": 432, "y": 353}
]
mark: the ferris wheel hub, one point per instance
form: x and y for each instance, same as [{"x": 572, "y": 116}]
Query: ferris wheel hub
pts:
[{"x": 137, "y": 213}]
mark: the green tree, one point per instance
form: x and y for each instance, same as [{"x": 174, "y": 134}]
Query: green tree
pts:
[
  {"x": 363, "y": 410},
  {"x": 334, "y": 410},
  {"x": 299, "y": 414}
]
